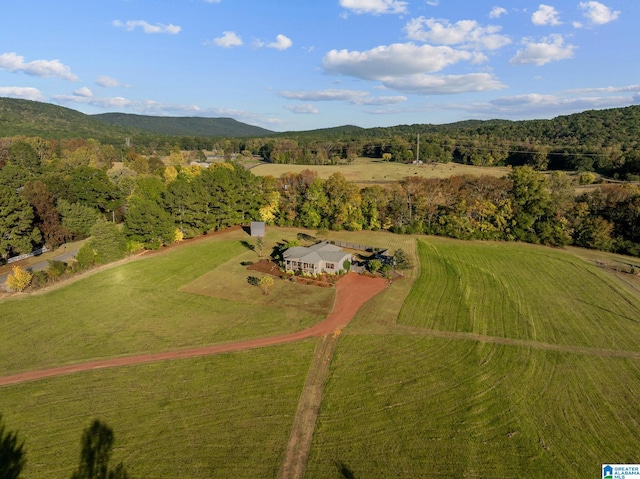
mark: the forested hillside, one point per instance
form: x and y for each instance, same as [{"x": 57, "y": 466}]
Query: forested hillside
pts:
[
  {"x": 32, "y": 118},
  {"x": 606, "y": 141},
  {"x": 183, "y": 126}
]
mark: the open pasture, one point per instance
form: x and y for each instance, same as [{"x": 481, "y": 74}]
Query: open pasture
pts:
[
  {"x": 137, "y": 307},
  {"x": 373, "y": 170},
  {"x": 416, "y": 386},
  {"x": 523, "y": 292},
  {"x": 413, "y": 406},
  {"x": 222, "y": 416},
  {"x": 407, "y": 401}
]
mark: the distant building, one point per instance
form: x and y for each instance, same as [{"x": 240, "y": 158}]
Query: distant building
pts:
[
  {"x": 257, "y": 229},
  {"x": 320, "y": 258}
]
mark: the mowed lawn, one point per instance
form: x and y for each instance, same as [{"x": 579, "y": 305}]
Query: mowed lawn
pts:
[
  {"x": 222, "y": 416},
  {"x": 521, "y": 291},
  {"x": 401, "y": 403},
  {"x": 138, "y": 307},
  {"x": 407, "y": 407}
]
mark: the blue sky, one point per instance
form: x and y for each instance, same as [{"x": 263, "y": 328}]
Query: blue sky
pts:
[{"x": 306, "y": 64}]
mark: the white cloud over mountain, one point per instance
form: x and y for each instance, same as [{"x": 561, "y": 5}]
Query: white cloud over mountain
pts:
[
  {"x": 355, "y": 97},
  {"x": 40, "y": 68},
  {"x": 393, "y": 60},
  {"x": 23, "y": 93}
]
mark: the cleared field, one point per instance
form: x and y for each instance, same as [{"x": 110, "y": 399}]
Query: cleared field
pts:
[
  {"x": 222, "y": 416},
  {"x": 522, "y": 292},
  {"x": 367, "y": 170},
  {"x": 408, "y": 395},
  {"x": 408, "y": 407},
  {"x": 402, "y": 404},
  {"x": 137, "y": 307}
]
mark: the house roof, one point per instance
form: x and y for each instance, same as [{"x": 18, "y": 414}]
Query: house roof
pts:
[{"x": 316, "y": 253}]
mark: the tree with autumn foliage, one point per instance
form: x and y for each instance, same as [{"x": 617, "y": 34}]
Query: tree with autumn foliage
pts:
[{"x": 19, "y": 279}]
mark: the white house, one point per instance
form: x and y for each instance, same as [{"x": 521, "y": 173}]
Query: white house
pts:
[{"x": 320, "y": 258}]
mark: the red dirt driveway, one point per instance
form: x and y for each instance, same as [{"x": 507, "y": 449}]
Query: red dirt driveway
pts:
[{"x": 352, "y": 292}]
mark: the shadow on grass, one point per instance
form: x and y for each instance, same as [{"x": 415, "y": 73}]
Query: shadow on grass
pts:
[
  {"x": 249, "y": 246},
  {"x": 344, "y": 471}
]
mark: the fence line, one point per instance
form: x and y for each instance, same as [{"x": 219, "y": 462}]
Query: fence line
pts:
[
  {"x": 28, "y": 255},
  {"x": 359, "y": 247}
]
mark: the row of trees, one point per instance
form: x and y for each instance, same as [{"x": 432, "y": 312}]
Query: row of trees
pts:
[
  {"x": 525, "y": 206},
  {"x": 146, "y": 205}
]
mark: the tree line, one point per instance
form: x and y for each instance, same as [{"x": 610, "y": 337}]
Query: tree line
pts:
[{"x": 49, "y": 198}]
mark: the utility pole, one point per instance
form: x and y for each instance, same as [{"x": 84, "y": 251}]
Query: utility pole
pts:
[{"x": 418, "y": 150}]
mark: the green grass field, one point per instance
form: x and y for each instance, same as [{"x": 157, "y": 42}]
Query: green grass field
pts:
[
  {"x": 417, "y": 386},
  {"x": 222, "y": 416},
  {"x": 522, "y": 292},
  {"x": 368, "y": 170},
  {"x": 138, "y": 307},
  {"x": 404, "y": 404}
]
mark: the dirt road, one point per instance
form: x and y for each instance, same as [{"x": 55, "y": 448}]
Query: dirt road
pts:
[{"x": 352, "y": 292}]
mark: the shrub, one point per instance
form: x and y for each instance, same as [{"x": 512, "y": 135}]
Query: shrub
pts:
[
  {"x": 19, "y": 279},
  {"x": 56, "y": 269},
  {"x": 86, "y": 256},
  {"x": 586, "y": 178},
  {"x": 39, "y": 279}
]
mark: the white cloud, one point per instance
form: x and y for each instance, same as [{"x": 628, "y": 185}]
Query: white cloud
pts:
[
  {"x": 546, "y": 15},
  {"x": 608, "y": 89},
  {"x": 375, "y": 7},
  {"x": 39, "y": 68},
  {"x": 550, "y": 49},
  {"x": 598, "y": 13},
  {"x": 305, "y": 109},
  {"x": 466, "y": 33},
  {"x": 109, "y": 82},
  {"x": 212, "y": 1},
  {"x": 227, "y": 40},
  {"x": 535, "y": 105},
  {"x": 393, "y": 60},
  {"x": 382, "y": 100},
  {"x": 83, "y": 92},
  {"x": 355, "y": 97},
  {"x": 444, "y": 84},
  {"x": 433, "y": 3},
  {"x": 146, "y": 27},
  {"x": 24, "y": 93},
  {"x": 282, "y": 43},
  {"x": 81, "y": 97},
  {"x": 497, "y": 12}
]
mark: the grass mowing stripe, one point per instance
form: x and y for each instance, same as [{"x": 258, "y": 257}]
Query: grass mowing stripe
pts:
[
  {"x": 136, "y": 308},
  {"x": 472, "y": 410},
  {"x": 222, "y": 416},
  {"x": 521, "y": 292}
]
